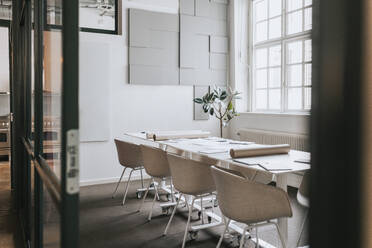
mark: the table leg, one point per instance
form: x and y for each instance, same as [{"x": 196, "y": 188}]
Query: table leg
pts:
[{"x": 281, "y": 182}]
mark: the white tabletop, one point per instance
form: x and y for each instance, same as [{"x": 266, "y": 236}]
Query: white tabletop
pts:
[{"x": 218, "y": 148}]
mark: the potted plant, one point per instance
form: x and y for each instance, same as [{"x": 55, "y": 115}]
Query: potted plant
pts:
[{"x": 220, "y": 103}]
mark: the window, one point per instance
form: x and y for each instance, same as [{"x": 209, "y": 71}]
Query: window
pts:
[{"x": 281, "y": 78}]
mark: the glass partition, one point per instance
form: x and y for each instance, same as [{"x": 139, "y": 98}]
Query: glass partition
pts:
[{"x": 52, "y": 75}]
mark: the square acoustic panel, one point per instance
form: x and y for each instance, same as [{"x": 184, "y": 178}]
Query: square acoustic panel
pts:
[
  {"x": 153, "y": 48},
  {"x": 204, "y": 42}
]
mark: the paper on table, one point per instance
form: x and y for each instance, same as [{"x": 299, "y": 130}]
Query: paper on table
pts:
[
  {"x": 212, "y": 151},
  {"x": 259, "y": 150},
  {"x": 269, "y": 166}
]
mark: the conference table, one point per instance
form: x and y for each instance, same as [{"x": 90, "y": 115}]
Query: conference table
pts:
[{"x": 219, "y": 149}]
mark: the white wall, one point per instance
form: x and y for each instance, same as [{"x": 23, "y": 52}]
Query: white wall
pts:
[{"x": 134, "y": 107}]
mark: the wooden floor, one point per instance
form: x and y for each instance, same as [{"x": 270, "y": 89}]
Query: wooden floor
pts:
[
  {"x": 9, "y": 230},
  {"x": 104, "y": 222}
]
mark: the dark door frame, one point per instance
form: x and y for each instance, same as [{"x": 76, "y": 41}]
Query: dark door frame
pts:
[
  {"x": 64, "y": 192},
  {"x": 336, "y": 121}
]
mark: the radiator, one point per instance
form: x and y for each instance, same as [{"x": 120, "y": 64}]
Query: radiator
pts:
[{"x": 296, "y": 141}]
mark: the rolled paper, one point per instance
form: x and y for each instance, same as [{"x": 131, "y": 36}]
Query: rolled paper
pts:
[
  {"x": 150, "y": 135},
  {"x": 181, "y": 135},
  {"x": 260, "y": 151}
]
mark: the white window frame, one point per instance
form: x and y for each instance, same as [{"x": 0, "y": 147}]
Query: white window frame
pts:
[{"x": 283, "y": 40}]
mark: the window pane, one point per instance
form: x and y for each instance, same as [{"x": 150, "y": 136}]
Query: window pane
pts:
[
  {"x": 308, "y": 52},
  {"x": 275, "y": 28},
  {"x": 307, "y": 98},
  {"x": 275, "y": 55},
  {"x": 261, "y": 99},
  {"x": 294, "y": 75},
  {"x": 274, "y": 99},
  {"x": 307, "y": 74},
  {"x": 308, "y": 2},
  {"x": 294, "y": 24},
  {"x": 295, "y": 52},
  {"x": 261, "y": 10},
  {"x": 261, "y": 78},
  {"x": 261, "y": 31},
  {"x": 293, "y": 5},
  {"x": 275, "y": 77},
  {"x": 295, "y": 99},
  {"x": 261, "y": 58},
  {"x": 275, "y": 8},
  {"x": 308, "y": 19}
]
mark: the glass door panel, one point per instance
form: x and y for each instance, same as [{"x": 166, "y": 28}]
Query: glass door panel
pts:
[{"x": 52, "y": 87}]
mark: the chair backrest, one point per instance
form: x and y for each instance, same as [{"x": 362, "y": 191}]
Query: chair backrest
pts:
[
  {"x": 129, "y": 154},
  {"x": 247, "y": 201},
  {"x": 191, "y": 177},
  {"x": 155, "y": 161},
  {"x": 304, "y": 191}
]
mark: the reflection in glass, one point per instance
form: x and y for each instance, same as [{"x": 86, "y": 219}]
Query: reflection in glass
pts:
[
  {"x": 5, "y": 9},
  {"x": 52, "y": 98},
  {"x": 52, "y": 222},
  {"x": 54, "y": 12}
]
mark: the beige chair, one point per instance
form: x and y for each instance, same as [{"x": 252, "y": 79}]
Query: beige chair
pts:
[
  {"x": 190, "y": 178},
  {"x": 130, "y": 156},
  {"x": 249, "y": 202},
  {"x": 303, "y": 195},
  {"x": 156, "y": 165}
]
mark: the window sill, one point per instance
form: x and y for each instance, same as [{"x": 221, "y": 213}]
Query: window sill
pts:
[{"x": 278, "y": 114}]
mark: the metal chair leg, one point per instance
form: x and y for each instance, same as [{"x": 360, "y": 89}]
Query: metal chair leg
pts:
[
  {"x": 156, "y": 190},
  {"x": 144, "y": 197},
  {"x": 153, "y": 202},
  {"x": 258, "y": 240},
  {"x": 117, "y": 185},
  {"x": 173, "y": 212},
  {"x": 242, "y": 239},
  {"x": 171, "y": 188},
  {"x": 280, "y": 235},
  {"x": 188, "y": 222},
  {"x": 302, "y": 229},
  {"x": 141, "y": 177},
  {"x": 126, "y": 189},
  {"x": 224, "y": 231}
]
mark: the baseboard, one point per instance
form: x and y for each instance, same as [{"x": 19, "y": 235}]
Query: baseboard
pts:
[{"x": 111, "y": 180}]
